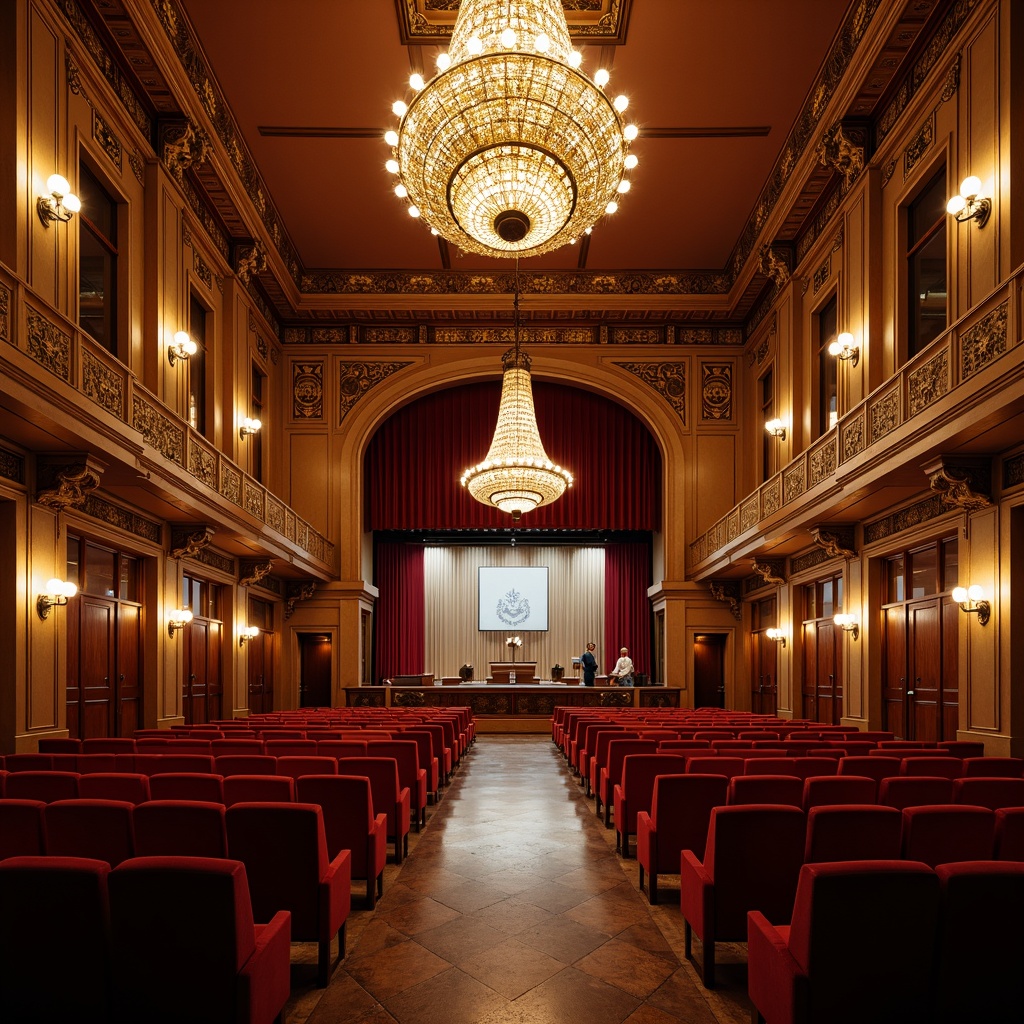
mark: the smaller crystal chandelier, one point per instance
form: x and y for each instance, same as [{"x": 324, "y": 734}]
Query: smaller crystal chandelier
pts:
[{"x": 517, "y": 476}]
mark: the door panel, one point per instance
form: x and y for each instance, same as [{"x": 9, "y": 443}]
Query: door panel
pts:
[
  {"x": 194, "y": 682},
  {"x": 825, "y": 632},
  {"x": 255, "y": 674},
  {"x": 950, "y": 612},
  {"x": 214, "y": 681},
  {"x": 894, "y": 668},
  {"x": 129, "y": 651},
  {"x": 315, "y": 670},
  {"x": 709, "y": 671},
  {"x": 97, "y": 667},
  {"x": 924, "y": 694},
  {"x": 808, "y": 685}
]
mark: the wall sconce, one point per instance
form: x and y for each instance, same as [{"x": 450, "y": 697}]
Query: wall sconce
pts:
[
  {"x": 778, "y": 635},
  {"x": 970, "y": 601},
  {"x": 968, "y": 204},
  {"x": 247, "y": 633},
  {"x": 845, "y": 347},
  {"x": 56, "y": 594},
  {"x": 178, "y": 619},
  {"x": 60, "y": 203},
  {"x": 777, "y": 428},
  {"x": 248, "y": 427},
  {"x": 181, "y": 346},
  {"x": 847, "y": 623}
]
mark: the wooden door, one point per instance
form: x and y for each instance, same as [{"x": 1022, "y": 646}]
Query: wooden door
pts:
[
  {"x": 763, "y": 676},
  {"x": 314, "y": 670},
  {"x": 97, "y": 666},
  {"x": 950, "y": 716},
  {"x": 924, "y": 694},
  {"x": 128, "y": 701},
  {"x": 193, "y": 693},
  {"x": 809, "y": 683},
  {"x": 709, "y": 670},
  {"x": 894, "y": 669},
  {"x": 829, "y": 691},
  {"x": 260, "y": 673}
]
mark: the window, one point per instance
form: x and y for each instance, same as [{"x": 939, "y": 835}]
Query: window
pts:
[
  {"x": 197, "y": 366},
  {"x": 200, "y": 597},
  {"x": 97, "y": 261},
  {"x": 926, "y": 265},
  {"x": 923, "y": 571},
  {"x": 256, "y": 411},
  {"x": 828, "y": 379},
  {"x": 767, "y": 413}
]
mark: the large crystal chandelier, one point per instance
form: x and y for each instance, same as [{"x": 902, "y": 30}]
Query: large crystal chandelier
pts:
[
  {"x": 517, "y": 475},
  {"x": 510, "y": 150}
]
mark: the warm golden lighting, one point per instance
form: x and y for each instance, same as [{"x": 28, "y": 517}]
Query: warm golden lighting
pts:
[{"x": 509, "y": 150}]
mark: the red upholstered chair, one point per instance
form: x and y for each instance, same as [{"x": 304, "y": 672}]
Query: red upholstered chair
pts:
[
  {"x": 852, "y": 832},
  {"x": 1009, "y": 844},
  {"x": 245, "y": 764},
  {"x": 599, "y": 759},
  {"x": 912, "y": 790},
  {"x": 770, "y": 765},
  {"x": 22, "y": 828},
  {"x": 236, "y": 745},
  {"x": 992, "y": 793},
  {"x": 876, "y": 768},
  {"x": 428, "y": 759},
  {"x": 837, "y": 789},
  {"x": 350, "y": 824},
  {"x": 389, "y": 796},
  {"x": 284, "y": 849},
  {"x": 411, "y": 774},
  {"x": 289, "y": 747},
  {"x": 180, "y": 828},
  {"x": 39, "y": 982},
  {"x": 297, "y": 765},
  {"x": 678, "y": 820},
  {"x": 128, "y": 786},
  {"x": 766, "y": 789},
  {"x": 264, "y": 788},
  {"x": 96, "y": 829},
  {"x": 751, "y": 862},
  {"x": 611, "y": 773},
  {"x": 28, "y": 762},
  {"x": 963, "y": 748},
  {"x": 947, "y": 766},
  {"x": 229, "y": 969},
  {"x": 860, "y": 947},
  {"x": 45, "y": 786},
  {"x": 940, "y": 834},
  {"x": 727, "y": 766},
  {"x": 108, "y": 745},
  {"x": 341, "y": 748},
  {"x": 994, "y": 767},
  {"x": 187, "y": 786},
  {"x": 981, "y": 943},
  {"x": 59, "y": 745},
  {"x": 444, "y": 753},
  {"x": 687, "y": 747},
  {"x": 635, "y": 791},
  {"x": 161, "y": 764},
  {"x": 88, "y": 764},
  {"x": 814, "y": 766}
]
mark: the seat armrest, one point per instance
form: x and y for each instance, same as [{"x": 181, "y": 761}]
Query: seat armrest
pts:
[
  {"x": 264, "y": 982},
  {"x": 775, "y": 981}
]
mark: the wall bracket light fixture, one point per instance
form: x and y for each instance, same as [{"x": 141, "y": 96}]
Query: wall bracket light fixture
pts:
[
  {"x": 247, "y": 633},
  {"x": 60, "y": 203},
  {"x": 969, "y": 204},
  {"x": 56, "y": 595},
  {"x": 181, "y": 347},
  {"x": 249, "y": 426},
  {"x": 848, "y": 623},
  {"x": 846, "y": 348},
  {"x": 777, "y": 428},
  {"x": 970, "y": 601},
  {"x": 778, "y": 635},
  {"x": 178, "y": 619}
]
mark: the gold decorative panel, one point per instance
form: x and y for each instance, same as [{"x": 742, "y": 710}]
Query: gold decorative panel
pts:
[
  {"x": 716, "y": 391},
  {"x": 822, "y": 463},
  {"x": 160, "y": 431},
  {"x": 308, "y": 391},
  {"x": 885, "y": 414},
  {"x": 929, "y": 383},
  {"x": 668, "y": 379},
  {"x": 983, "y": 342},
  {"x": 102, "y": 384},
  {"x": 202, "y": 463},
  {"x": 49, "y": 346},
  {"x": 853, "y": 437},
  {"x": 355, "y": 379}
]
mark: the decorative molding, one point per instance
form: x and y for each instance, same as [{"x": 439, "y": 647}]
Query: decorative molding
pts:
[
  {"x": 929, "y": 383},
  {"x": 216, "y": 560},
  {"x": 356, "y": 378},
  {"x": 771, "y": 497},
  {"x": 253, "y": 500},
  {"x": 5, "y": 313},
  {"x": 109, "y": 142},
  {"x": 202, "y": 462},
  {"x": 65, "y": 481},
  {"x": 905, "y": 519},
  {"x": 123, "y": 518},
  {"x": 983, "y": 342},
  {"x": 138, "y": 165},
  {"x": 667, "y": 379},
  {"x": 841, "y": 152},
  {"x": 1013, "y": 471},
  {"x": 188, "y": 539},
  {"x": 884, "y": 413},
  {"x": 253, "y": 570},
  {"x": 159, "y": 431},
  {"x": 102, "y": 384},
  {"x": 853, "y": 437},
  {"x": 919, "y": 145},
  {"x": 729, "y": 594},
  {"x": 822, "y": 274},
  {"x": 963, "y": 484},
  {"x": 835, "y": 541},
  {"x": 251, "y": 262},
  {"x": 301, "y": 590},
  {"x": 822, "y": 463},
  {"x": 614, "y": 699},
  {"x": 774, "y": 264},
  {"x": 48, "y": 345},
  {"x": 770, "y": 570},
  {"x": 808, "y": 560},
  {"x": 793, "y": 484},
  {"x": 887, "y": 172},
  {"x": 231, "y": 484},
  {"x": 716, "y": 391},
  {"x": 308, "y": 390},
  {"x": 183, "y": 145},
  {"x": 202, "y": 270},
  {"x": 12, "y": 466}
]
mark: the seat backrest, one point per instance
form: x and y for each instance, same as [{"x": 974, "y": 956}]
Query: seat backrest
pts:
[
  {"x": 245, "y": 764},
  {"x": 39, "y": 988},
  {"x": 211, "y": 930},
  {"x": 852, "y": 831},
  {"x": 876, "y": 768},
  {"x": 348, "y": 813},
  {"x": 810, "y": 766},
  {"x": 838, "y": 789},
  {"x": 236, "y": 745},
  {"x": 1009, "y": 844},
  {"x": 994, "y": 767},
  {"x": 911, "y": 790},
  {"x": 298, "y": 765},
  {"x": 618, "y": 751},
  {"x": 766, "y": 789},
  {"x": 407, "y": 757},
  {"x": 384, "y": 784},
  {"x": 604, "y": 739},
  {"x": 180, "y": 828},
  {"x": 290, "y": 747},
  {"x": 720, "y": 765},
  {"x": 940, "y": 834},
  {"x": 681, "y": 810},
  {"x": 108, "y": 745},
  {"x": 29, "y": 762},
  {"x": 639, "y": 772},
  {"x": 97, "y": 829},
  {"x": 963, "y": 748},
  {"x": 341, "y": 748},
  {"x": 187, "y": 786},
  {"x": 947, "y": 766},
  {"x": 770, "y": 765},
  {"x": 130, "y": 786},
  {"x": 45, "y": 786},
  {"x": 22, "y": 828},
  {"x": 873, "y": 921},
  {"x": 158, "y": 764},
  {"x": 992, "y": 793},
  {"x": 247, "y": 788},
  {"x": 59, "y": 745}
]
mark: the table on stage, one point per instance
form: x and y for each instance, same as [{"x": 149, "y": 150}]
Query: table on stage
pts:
[{"x": 526, "y": 672}]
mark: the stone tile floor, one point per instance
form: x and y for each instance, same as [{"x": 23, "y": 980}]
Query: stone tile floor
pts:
[{"x": 514, "y": 908}]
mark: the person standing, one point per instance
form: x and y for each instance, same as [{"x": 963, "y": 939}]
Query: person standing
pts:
[
  {"x": 589, "y": 662},
  {"x": 623, "y": 670}
]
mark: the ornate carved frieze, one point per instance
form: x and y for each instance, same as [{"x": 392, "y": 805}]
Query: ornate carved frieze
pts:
[
  {"x": 252, "y": 261},
  {"x": 716, "y": 391},
  {"x": 983, "y": 342},
  {"x": 750, "y": 513},
  {"x": 231, "y": 484},
  {"x": 12, "y": 466},
  {"x": 732, "y": 525},
  {"x": 835, "y": 541},
  {"x": 64, "y": 481},
  {"x": 823, "y": 273},
  {"x": 793, "y": 483},
  {"x": 929, "y": 383},
  {"x": 905, "y": 519},
  {"x": 300, "y": 590},
  {"x": 887, "y": 171},
  {"x": 1013, "y": 471},
  {"x": 202, "y": 269},
  {"x": 188, "y": 539},
  {"x": 774, "y": 264},
  {"x": 919, "y": 145},
  {"x": 807, "y": 560},
  {"x": 729, "y": 593},
  {"x": 638, "y": 336},
  {"x": 183, "y": 145},
  {"x": 254, "y": 500},
  {"x": 48, "y": 345},
  {"x": 840, "y": 149},
  {"x": 308, "y": 390},
  {"x": 853, "y": 437},
  {"x": 108, "y": 141},
  {"x": 102, "y": 384},
  {"x": 159, "y": 431},
  {"x": 123, "y": 518},
  {"x": 965, "y": 485},
  {"x": 252, "y": 571},
  {"x": 771, "y": 497},
  {"x": 884, "y": 414},
  {"x": 202, "y": 462},
  {"x": 390, "y": 335},
  {"x": 770, "y": 570},
  {"x": 667, "y": 379},
  {"x": 614, "y": 699},
  {"x": 5, "y": 313},
  {"x": 822, "y": 463},
  {"x": 356, "y": 378},
  {"x": 138, "y": 166},
  {"x": 216, "y": 560},
  {"x": 275, "y": 514}
]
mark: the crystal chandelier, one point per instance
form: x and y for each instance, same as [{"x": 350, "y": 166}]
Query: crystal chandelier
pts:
[
  {"x": 517, "y": 475},
  {"x": 510, "y": 150}
]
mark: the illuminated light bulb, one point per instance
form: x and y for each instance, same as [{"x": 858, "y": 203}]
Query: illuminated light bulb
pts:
[
  {"x": 631, "y": 161},
  {"x": 542, "y": 43},
  {"x": 970, "y": 186},
  {"x": 611, "y": 207},
  {"x": 72, "y": 203},
  {"x": 508, "y": 38},
  {"x": 399, "y": 108},
  {"x": 401, "y": 191},
  {"x": 434, "y": 231},
  {"x": 392, "y": 166},
  {"x": 416, "y": 81},
  {"x": 602, "y": 78},
  {"x": 444, "y": 62},
  {"x": 414, "y": 211},
  {"x": 956, "y": 205},
  {"x": 391, "y": 137},
  {"x": 475, "y": 46},
  {"x": 575, "y": 59},
  {"x": 630, "y": 132},
  {"x": 57, "y": 184},
  {"x": 589, "y": 231},
  {"x": 974, "y": 592},
  {"x": 624, "y": 186},
  {"x": 621, "y": 102}
]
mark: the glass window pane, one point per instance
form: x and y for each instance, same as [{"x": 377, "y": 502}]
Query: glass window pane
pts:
[
  {"x": 99, "y": 570},
  {"x": 810, "y": 601},
  {"x": 826, "y": 600},
  {"x": 73, "y": 572},
  {"x": 924, "y": 577},
  {"x": 894, "y": 590},
  {"x": 129, "y": 579},
  {"x": 950, "y": 564}
]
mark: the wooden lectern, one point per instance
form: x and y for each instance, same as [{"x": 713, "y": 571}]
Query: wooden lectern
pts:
[{"x": 526, "y": 672}]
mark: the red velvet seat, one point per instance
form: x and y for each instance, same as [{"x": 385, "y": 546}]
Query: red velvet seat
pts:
[
  {"x": 289, "y": 747},
  {"x": 946, "y": 766},
  {"x": 180, "y": 828},
  {"x": 22, "y": 828},
  {"x": 837, "y": 789},
  {"x": 245, "y": 764},
  {"x": 912, "y": 790},
  {"x": 1009, "y": 842},
  {"x": 852, "y": 832},
  {"x": 766, "y": 789},
  {"x": 48, "y": 904},
  {"x": 128, "y": 786},
  {"x": 411, "y": 774},
  {"x": 350, "y": 824},
  {"x": 108, "y": 745},
  {"x": 45, "y": 786},
  {"x": 994, "y": 767},
  {"x": 236, "y": 745},
  {"x": 940, "y": 834},
  {"x": 599, "y": 761},
  {"x": 338, "y": 748},
  {"x": 187, "y": 786},
  {"x": 992, "y": 793},
  {"x": 428, "y": 759},
  {"x": 160, "y": 764},
  {"x": 297, "y": 765},
  {"x": 95, "y": 829},
  {"x": 636, "y": 789},
  {"x": 727, "y": 766},
  {"x": 963, "y": 748},
  {"x": 60, "y": 745},
  {"x": 611, "y": 773},
  {"x": 860, "y": 947},
  {"x": 263, "y": 788},
  {"x": 284, "y": 849},
  {"x": 981, "y": 943},
  {"x": 678, "y": 820},
  {"x": 28, "y": 762},
  {"x": 229, "y": 969},
  {"x": 751, "y": 862},
  {"x": 88, "y": 764},
  {"x": 389, "y": 796},
  {"x": 876, "y": 768}
]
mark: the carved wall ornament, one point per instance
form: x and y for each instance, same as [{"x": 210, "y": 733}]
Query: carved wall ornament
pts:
[
  {"x": 202, "y": 269},
  {"x": 103, "y": 385},
  {"x": 188, "y": 539},
  {"x": 905, "y": 519},
  {"x": 108, "y": 141},
  {"x": 793, "y": 483},
  {"x": 770, "y": 570},
  {"x": 138, "y": 166},
  {"x": 837, "y": 150},
  {"x": 253, "y": 570},
  {"x": 49, "y": 346},
  {"x": 123, "y": 518},
  {"x": 716, "y": 391},
  {"x": 301, "y": 590},
  {"x": 966, "y": 487},
  {"x": 252, "y": 261},
  {"x": 729, "y": 594},
  {"x": 952, "y": 82},
  {"x": 5, "y": 313},
  {"x": 822, "y": 463},
  {"x": 885, "y": 414},
  {"x": 12, "y": 466},
  {"x": 158, "y": 430},
  {"x": 853, "y": 437},
  {"x": 356, "y": 378},
  {"x": 613, "y": 699},
  {"x": 667, "y": 379},
  {"x": 774, "y": 264},
  {"x": 929, "y": 383},
  {"x": 73, "y": 74},
  {"x": 308, "y": 390},
  {"x": 823, "y": 273},
  {"x": 983, "y": 342},
  {"x": 65, "y": 483},
  {"x": 919, "y": 145},
  {"x": 835, "y": 541},
  {"x": 1013, "y": 471},
  {"x": 771, "y": 497},
  {"x": 185, "y": 145},
  {"x": 202, "y": 463}
]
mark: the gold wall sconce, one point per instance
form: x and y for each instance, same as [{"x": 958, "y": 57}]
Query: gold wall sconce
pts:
[
  {"x": 776, "y": 428},
  {"x": 969, "y": 204},
  {"x": 249, "y": 426},
  {"x": 778, "y": 635},
  {"x": 55, "y": 595},
  {"x": 848, "y": 623},
  {"x": 247, "y": 633},
  {"x": 178, "y": 619},
  {"x": 971, "y": 601},
  {"x": 182, "y": 347},
  {"x": 60, "y": 203},
  {"x": 846, "y": 348}
]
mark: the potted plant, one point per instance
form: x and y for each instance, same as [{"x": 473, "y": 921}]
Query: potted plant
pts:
[
  {"x": 557, "y": 672},
  {"x": 466, "y": 673}
]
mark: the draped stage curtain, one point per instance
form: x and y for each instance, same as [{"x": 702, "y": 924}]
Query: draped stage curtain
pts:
[
  {"x": 399, "y": 615},
  {"x": 627, "y": 615}
]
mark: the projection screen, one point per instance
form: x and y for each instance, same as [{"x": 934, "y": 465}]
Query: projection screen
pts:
[{"x": 513, "y": 598}]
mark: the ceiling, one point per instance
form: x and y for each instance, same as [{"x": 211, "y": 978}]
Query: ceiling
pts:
[{"x": 731, "y": 98}]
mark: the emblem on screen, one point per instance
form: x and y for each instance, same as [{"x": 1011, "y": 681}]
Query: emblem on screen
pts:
[{"x": 513, "y": 608}]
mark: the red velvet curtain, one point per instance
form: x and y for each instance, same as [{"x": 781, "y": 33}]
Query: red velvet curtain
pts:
[
  {"x": 399, "y": 617},
  {"x": 415, "y": 459},
  {"x": 627, "y": 615}
]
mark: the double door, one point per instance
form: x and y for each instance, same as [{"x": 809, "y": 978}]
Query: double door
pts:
[{"x": 822, "y": 673}]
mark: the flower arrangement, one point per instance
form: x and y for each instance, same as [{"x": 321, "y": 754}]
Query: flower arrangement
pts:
[
  {"x": 514, "y": 641},
  {"x": 466, "y": 672}
]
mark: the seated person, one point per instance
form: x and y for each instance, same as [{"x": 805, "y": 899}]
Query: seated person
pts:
[{"x": 623, "y": 671}]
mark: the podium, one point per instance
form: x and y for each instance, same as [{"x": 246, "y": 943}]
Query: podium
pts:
[{"x": 526, "y": 672}]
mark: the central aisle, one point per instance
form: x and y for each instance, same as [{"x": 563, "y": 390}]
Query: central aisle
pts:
[{"x": 513, "y": 908}]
